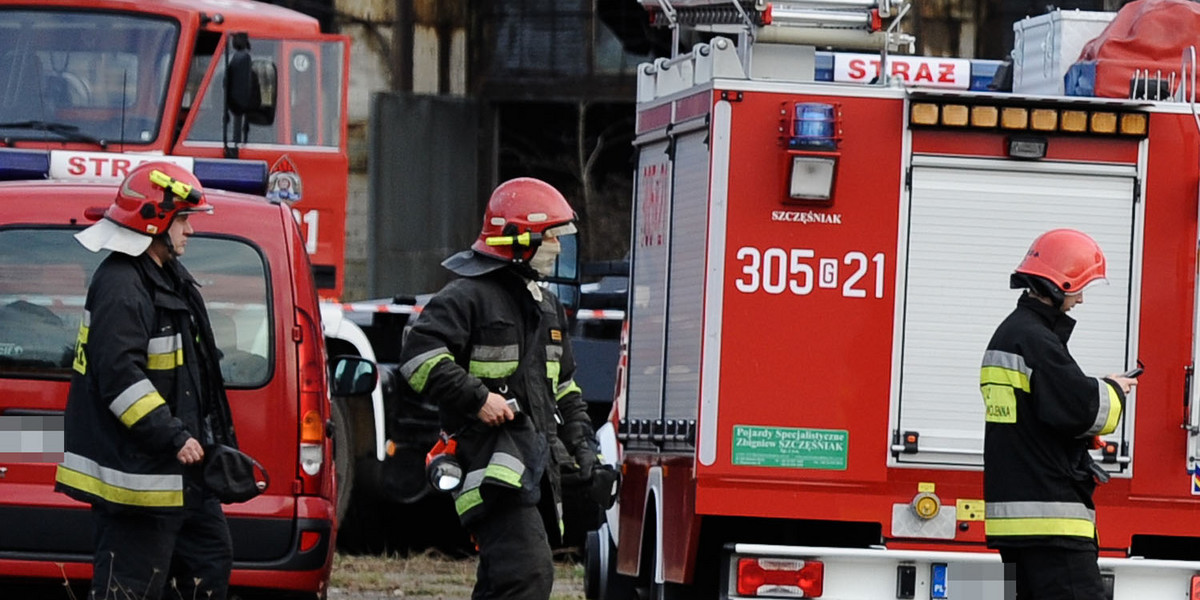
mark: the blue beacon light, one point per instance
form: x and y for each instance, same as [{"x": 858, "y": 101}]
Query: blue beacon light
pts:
[
  {"x": 23, "y": 165},
  {"x": 245, "y": 176},
  {"x": 814, "y": 127}
]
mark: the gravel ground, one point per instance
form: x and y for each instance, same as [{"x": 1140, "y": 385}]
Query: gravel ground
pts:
[
  {"x": 427, "y": 576},
  {"x": 430, "y": 575}
]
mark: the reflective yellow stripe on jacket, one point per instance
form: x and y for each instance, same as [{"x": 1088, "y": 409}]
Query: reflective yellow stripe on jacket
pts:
[
  {"x": 416, "y": 370},
  {"x": 1108, "y": 412},
  {"x": 164, "y": 353},
  {"x": 1008, "y": 519},
  {"x": 999, "y": 376},
  {"x": 502, "y": 468},
  {"x": 494, "y": 362},
  {"x": 132, "y": 489}
]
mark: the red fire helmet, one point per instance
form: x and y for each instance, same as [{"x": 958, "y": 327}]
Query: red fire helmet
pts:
[
  {"x": 151, "y": 196},
  {"x": 520, "y": 207},
  {"x": 1068, "y": 258}
]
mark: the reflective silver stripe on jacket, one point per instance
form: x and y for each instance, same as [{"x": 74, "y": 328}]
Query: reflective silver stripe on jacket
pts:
[
  {"x": 1104, "y": 410},
  {"x": 554, "y": 352},
  {"x": 1028, "y": 509},
  {"x": 409, "y": 368},
  {"x": 166, "y": 344},
  {"x": 506, "y": 353},
  {"x": 132, "y": 394},
  {"x": 131, "y": 481}
]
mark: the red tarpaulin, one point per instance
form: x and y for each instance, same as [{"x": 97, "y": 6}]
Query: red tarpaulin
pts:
[{"x": 1146, "y": 34}]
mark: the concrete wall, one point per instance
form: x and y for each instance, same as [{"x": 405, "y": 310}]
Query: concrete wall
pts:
[{"x": 438, "y": 27}]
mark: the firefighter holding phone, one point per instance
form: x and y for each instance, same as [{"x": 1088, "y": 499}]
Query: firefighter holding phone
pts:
[
  {"x": 1042, "y": 415},
  {"x": 492, "y": 350}
]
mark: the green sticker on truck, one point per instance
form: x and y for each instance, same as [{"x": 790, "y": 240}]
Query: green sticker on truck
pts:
[{"x": 790, "y": 447}]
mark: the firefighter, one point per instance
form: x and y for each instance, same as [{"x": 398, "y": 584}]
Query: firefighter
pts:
[
  {"x": 492, "y": 350},
  {"x": 1042, "y": 416},
  {"x": 145, "y": 400}
]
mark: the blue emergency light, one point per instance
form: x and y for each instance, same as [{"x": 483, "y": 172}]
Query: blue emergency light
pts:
[
  {"x": 244, "y": 176},
  {"x": 23, "y": 165},
  {"x": 814, "y": 126}
]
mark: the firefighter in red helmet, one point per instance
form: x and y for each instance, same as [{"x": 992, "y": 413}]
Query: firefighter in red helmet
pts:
[
  {"x": 492, "y": 350},
  {"x": 146, "y": 399},
  {"x": 1042, "y": 416}
]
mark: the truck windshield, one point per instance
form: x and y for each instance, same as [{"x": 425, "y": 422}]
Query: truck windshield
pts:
[
  {"x": 43, "y": 284},
  {"x": 82, "y": 76}
]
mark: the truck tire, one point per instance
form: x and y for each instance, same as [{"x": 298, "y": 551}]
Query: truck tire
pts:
[
  {"x": 343, "y": 455},
  {"x": 600, "y": 578}
]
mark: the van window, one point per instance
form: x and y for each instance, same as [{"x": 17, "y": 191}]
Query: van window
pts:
[{"x": 44, "y": 274}]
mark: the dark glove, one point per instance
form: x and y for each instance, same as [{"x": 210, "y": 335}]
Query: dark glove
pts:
[
  {"x": 606, "y": 485},
  {"x": 585, "y": 459}
]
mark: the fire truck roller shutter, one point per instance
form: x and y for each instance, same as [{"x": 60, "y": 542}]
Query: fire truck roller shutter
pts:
[
  {"x": 685, "y": 277},
  {"x": 649, "y": 270},
  {"x": 969, "y": 222}
]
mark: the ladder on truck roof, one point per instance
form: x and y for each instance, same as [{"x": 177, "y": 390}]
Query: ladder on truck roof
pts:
[{"x": 850, "y": 24}]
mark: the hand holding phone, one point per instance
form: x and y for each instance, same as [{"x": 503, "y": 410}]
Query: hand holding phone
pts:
[{"x": 1133, "y": 373}]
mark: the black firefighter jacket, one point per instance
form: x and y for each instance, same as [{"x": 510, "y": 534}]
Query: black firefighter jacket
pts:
[
  {"x": 142, "y": 385},
  {"x": 1042, "y": 413},
  {"x": 486, "y": 333}
]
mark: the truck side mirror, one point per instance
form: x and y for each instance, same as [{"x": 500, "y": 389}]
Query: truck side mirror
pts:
[
  {"x": 353, "y": 376},
  {"x": 250, "y": 84}
]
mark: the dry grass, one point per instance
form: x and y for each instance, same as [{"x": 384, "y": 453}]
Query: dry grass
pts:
[{"x": 430, "y": 575}]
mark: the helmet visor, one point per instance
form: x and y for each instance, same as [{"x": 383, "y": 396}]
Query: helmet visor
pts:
[
  {"x": 1096, "y": 281},
  {"x": 561, "y": 230}
]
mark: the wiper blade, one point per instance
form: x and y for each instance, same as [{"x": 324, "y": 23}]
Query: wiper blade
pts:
[{"x": 70, "y": 132}]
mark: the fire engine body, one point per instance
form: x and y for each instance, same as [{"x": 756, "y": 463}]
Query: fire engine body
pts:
[{"x": 797, "y": 411}]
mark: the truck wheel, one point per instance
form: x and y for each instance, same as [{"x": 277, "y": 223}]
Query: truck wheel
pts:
[
  {"x": 343, "y": 455},
  {"x": 601, "y": 580}
]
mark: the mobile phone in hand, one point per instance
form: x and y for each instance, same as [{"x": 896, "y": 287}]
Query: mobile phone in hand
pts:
[{"x": 1132, "y": 373}]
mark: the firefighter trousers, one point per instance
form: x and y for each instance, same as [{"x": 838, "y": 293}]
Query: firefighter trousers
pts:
[
  {"x": 150, "y": 556},
  {"x": 1046, "y": 573},
  {"x": 514, "y": 553}
]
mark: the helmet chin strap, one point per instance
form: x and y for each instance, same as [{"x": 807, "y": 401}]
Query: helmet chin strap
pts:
[{"x": 1039, "y": 286}]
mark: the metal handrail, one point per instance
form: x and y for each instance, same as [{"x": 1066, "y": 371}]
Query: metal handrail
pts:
[{"x": 1189, "y": 64}]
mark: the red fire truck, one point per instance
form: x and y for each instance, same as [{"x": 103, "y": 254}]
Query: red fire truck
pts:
[
  {"x": 816, "y": 270},
  {"x": 251, "y": 97}
]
